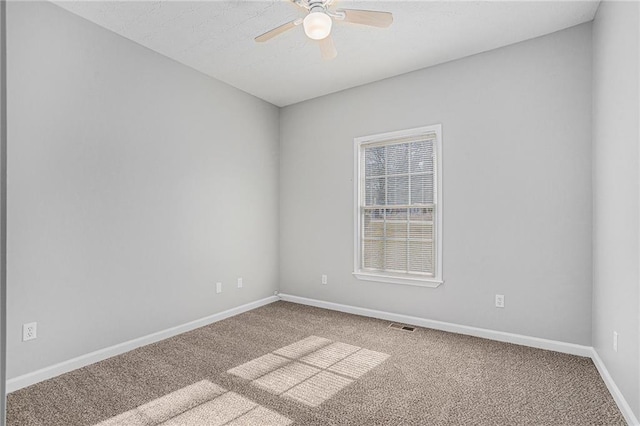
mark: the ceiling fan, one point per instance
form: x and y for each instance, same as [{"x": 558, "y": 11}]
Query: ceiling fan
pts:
[{"x": 317, "y": 24}]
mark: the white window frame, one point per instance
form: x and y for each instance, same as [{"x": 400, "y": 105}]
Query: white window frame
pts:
[{"x": 396, "y": 278}]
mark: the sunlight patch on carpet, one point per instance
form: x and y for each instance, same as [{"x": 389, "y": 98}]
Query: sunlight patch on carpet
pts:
[
  {"x": 302, "y": 347},
  {"x": 259, "y": 366},
  {"x": 310, "y": 371},
  {"x": 329, "y": 355},
  {"x": 284, "y": 378},
  {"x": 261, "y": 416},
  {"x": 199, "y": 404},
  {"x": 359, "y": 363},
  {"x": 318, "y": 388}
]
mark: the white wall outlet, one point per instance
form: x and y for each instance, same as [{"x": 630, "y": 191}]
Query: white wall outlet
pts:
[
  {"x": 615, "y": 341},
  {"x": 499, "y": 300},
  {"x": 324, "y": 279},
  {"x": 218, "y": 287},
  {"x": 29, "y": 331},
  {"x": 240, "y": 282}
]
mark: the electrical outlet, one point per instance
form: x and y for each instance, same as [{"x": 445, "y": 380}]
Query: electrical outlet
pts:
[
  {"x": 240, "y": 282},
  {"x": 218, "y": 287},
  {"x": 615, "y": 341},
  {"x": 499, "y": 300},
  {"x": 324, "y": 279},
  {"x": 29, "y": 331}
]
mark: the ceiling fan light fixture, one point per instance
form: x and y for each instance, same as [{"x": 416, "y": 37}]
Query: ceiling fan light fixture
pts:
[{"x": 317, "y": 25}]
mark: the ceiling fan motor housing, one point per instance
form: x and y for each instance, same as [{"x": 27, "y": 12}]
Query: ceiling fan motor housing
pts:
[{"x": 317, "y": 24}]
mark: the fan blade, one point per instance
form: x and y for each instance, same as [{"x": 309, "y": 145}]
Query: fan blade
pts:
[
  {"x": 277, "y": 31},
  {"x": 327, "y": 48},
  {"x": 367, "y": 17}
]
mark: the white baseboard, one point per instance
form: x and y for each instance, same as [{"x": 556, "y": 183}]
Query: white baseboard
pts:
[
  {"x": 501, "y": 336},
  {"x": 102, "y": 354},
  {"x": 613, "y": 389}
]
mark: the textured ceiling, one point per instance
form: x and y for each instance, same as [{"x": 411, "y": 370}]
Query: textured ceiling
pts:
[{"x": 216, "y": 38}]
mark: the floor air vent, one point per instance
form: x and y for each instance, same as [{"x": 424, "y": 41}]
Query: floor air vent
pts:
[{"x": 402, "y": 327}]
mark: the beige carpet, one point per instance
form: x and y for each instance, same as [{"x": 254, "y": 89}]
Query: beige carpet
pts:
[{"x": 288, "y": 364}]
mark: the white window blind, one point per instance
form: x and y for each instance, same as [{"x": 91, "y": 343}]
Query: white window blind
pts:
[{"x": 398, "y": 205}]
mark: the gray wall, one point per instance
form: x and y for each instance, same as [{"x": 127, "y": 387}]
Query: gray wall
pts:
[
  {"x": 517, "y": 188},
  {"x": 616, "y": 214},
  {"x": 3, "y": 207},
  {"x": 135, "y": 183}
]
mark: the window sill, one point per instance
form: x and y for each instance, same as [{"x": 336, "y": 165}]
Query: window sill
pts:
[{"x": 418, "y": 282}]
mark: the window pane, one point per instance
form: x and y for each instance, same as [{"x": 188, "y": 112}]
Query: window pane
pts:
[
  {"x": 422, "y": 157},
  {"x": 375, "y": 192},
  {"x": 374, "y": 161},
  {"x": 398, "y": 190},
  {"x": 420, "y": 257},
  {"x": 396, "y": 255},
  {"x": 397, "y": 159},
  {"x": 396, "y": 223},
  {"x": 397, "y": 229},
  {"x": 422, "y": 213},
  {"x": 373, "y": 256},
  {"x": 422, "y": 189},
  {"x": 421, "y": 230},
  {"x": 396, "y": 214},
  {"x": 373, "y": 223}
]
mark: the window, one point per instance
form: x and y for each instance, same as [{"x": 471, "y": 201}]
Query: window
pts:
[{"x": 399, "y": 207}]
